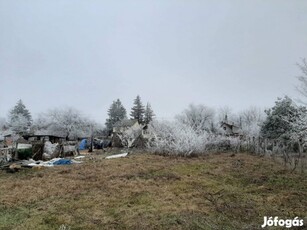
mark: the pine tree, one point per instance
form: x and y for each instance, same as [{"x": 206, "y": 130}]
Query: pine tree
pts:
[
  {"x": 20, "y": 118},
  {"x": 149, "y": 114},
  {"x": 137, "y": 111},
  {"x": 280, "y": 119},
  {"x": 116, "y": 113}
]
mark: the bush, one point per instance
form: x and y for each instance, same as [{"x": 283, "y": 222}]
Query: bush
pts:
[
  {"x": 222, "y": 144},
  {"x": 24, "y": 153},
  {"x": 175, "y": 138}
]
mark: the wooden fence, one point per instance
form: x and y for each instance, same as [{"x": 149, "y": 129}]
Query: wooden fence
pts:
[
  {"x": 292, "y": 154},
  {"x": 6, "y": 155}
]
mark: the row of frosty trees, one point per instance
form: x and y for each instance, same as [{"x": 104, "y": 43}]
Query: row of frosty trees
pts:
[
  {"x": 69, "y": 122},
  {"x": 281, "y": 129},
  {"x": 196, "y": 130},
  {"x": 65, "y": 122}
]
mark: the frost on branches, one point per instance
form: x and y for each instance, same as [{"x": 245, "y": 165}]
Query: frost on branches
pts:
[
  {"x": 19, "y": 123},
  {"x": 197, "y": 117},
  {"x": 192, "y": 133},
  {"x": 175, "y": 138},
  {"x": 116, "y": 113},
  {"x": 302, "y": 88},
  {"x": 20, "y": 119},
  {"x": 128, "y": 136},
  {"x": 67, "y": 122},
  {"x": 285, "y": 121},
  {"x": 251, "y": 121}
]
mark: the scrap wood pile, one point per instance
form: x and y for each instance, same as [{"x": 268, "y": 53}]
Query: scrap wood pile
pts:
[
  {"x": 18, "y": 165},
  {"x": 5, "y": 155},
  {"x": 25, "y": 154}
]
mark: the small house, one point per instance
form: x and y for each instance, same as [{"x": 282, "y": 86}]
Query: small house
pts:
[
  {"x": 8, "y": 139},
  {"x": 229, "y": 128},
  {"x": 139, "y": 133}
]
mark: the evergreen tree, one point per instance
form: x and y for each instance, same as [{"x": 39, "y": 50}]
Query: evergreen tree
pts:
[
  {"x": 116, "y": 113},
  {"x": 149, "y": 114},
  {"x": 280, "y": 119},
  {"x": 20, "y": 118},
  {"x": 137, "y": 111},
  {"x": 3, "y": 124}
]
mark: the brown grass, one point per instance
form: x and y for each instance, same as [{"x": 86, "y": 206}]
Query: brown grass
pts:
[{"x": 146, "y": 191}]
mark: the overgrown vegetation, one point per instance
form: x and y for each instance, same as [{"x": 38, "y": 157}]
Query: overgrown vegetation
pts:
[{"x": 221, "y": 191}]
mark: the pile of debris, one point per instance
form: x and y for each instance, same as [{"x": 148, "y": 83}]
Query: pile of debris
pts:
[
  {"x": 23, "y": 153},
  {"x": 18, "y": 165}
]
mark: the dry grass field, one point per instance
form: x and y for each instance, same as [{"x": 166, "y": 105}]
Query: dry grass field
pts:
[{"x": 144, "y": 191}]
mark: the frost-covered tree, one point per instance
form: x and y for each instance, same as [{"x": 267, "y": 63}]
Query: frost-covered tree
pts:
[
  {"x": 287, "y": 123},
  {"x": 129, "y": 135},
  {"x": 116, "y": 112},
  {"x": 302, "y": 88},
  {"x": 251, "y": 115},
  {"x": 19, "y": 118},
  {"x": 225, "y": 113},
  {"x": 280, "y": 119},
  {"x": 149, "y": 114},
  {"x": 175, "y": 138},
  {"x": 3, "y": 124},
  {"x": 250, "y": 121},
  {"x": 67, "y": 122},
  {"x": 19, "y": 124},
  {"x": 137, "y": 111},
  {"x": 199, "y": 117},
  {"x": 299, "y": 126}
]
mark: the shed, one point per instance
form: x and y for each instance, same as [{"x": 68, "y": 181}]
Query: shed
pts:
[
  {"x": 230, "y": 129},
  {"x": 45, "y": 136}
]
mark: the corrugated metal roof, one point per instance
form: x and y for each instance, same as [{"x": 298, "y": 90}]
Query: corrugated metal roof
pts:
[{"x": 47, "y": 133}]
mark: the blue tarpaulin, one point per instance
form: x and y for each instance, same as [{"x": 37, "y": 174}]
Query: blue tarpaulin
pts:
[
  {"x": 83, "y": 144},
  {"x": 62, "y": 162}
]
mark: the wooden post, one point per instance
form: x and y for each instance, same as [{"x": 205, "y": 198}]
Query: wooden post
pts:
[{"x": 92, "y": 139}]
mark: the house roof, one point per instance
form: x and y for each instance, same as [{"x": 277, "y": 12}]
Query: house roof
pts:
[
  {"x": 234, "y": 128},
  {"x": 6, "y": 133},
  {"x": 231, "y": 124},
  {"x": 125, "y": 123}
]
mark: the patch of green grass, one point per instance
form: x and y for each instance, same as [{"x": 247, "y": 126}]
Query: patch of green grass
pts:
[
  {"x": 10, "y": 217},
  {"x": 296, "y": 183}
]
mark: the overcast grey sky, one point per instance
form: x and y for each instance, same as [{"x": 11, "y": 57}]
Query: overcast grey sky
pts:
[{"x": 85, "y": 54}]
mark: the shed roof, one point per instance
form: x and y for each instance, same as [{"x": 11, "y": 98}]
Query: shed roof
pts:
[
  {"x": 231, "y": 124},
  {"x": 44, "y": 133}
]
